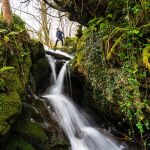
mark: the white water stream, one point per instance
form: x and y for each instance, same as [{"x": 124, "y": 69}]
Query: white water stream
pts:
[
  {"x": 52, "y": 64},
  {"x": 81, "y": 134}
]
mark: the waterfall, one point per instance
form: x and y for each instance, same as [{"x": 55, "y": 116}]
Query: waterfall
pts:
[
  {"x": 76, "y": 126},
  {"x": 58, "y": 86},
  {"x": 69, "y": 81},
  {"x": 52, "y": 64}
]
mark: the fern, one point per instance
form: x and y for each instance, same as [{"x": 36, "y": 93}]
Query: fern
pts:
[
  {"x": 3, "y": 69},
  {"x": 2, "y": 84},
  {"x": 146, "y": 56},
  {"x": 111, "y": 52},
  {"x": 13, "y": 33},
  {"x": 3, "y": 31}
]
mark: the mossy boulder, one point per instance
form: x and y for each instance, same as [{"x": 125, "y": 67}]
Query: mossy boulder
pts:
[
  {"x": 15, "y": 66},
  {"x": 17, "y": 142},
  {"x": 12, "y": 94},
  {"x": 37, "y": 50},
  {"x": 13, "y": 83},
  {"x": 30, "y": 111},
  {"x": 41, "y": 71},
  {"x": 10, "y": 107},
  {"x": 31, "y": 132}
]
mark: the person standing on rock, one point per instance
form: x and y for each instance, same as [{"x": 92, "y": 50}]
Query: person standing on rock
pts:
[{"x": 60, "y": 36}]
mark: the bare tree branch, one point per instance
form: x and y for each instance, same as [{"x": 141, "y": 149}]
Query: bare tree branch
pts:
[
  {"x": 50, "y": 14},
  {"x": 27, "y": 2},
  {"x": 54, "y": 6},
  {"x": 28, "y": 14},
  {"x": 34, "y": 31}
]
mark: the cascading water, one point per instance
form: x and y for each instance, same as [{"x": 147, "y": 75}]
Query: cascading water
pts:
[
  {"x": 81, "y": 134},
  {"x": 52, "y": 64}
]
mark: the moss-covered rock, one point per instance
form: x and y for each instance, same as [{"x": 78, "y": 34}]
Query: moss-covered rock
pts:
[
  {"x": 14, "y": 53},
  {"x": 37, "y": 50},
  {"x": 41, "y": 71},
  {"x": 10, "y": 106},
  {"x": 32, "y": 133},
  {"x": 17, "y": 142},
  {"x": 13, "y": 83}
]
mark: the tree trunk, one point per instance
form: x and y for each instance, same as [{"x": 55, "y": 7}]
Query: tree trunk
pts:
[
  {"x": 45, "y": 24},
  {"x": 7, "y": 13}
]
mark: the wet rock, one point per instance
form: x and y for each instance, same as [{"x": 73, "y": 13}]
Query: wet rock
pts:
[
  {"x": 40, "y": 74},
  {"x": 31, "y": 132},
  {"x": 18, "y": 143},
  {"x": 32, "y": 113},
  {"x": 37, "y": 50},
  {"x": 58, "y": 56}
]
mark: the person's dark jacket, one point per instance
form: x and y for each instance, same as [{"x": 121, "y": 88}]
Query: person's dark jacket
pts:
[{"x": 59, "y": 35}]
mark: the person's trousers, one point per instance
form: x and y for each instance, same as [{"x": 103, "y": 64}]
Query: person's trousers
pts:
[{"x": 59, "y": 40}]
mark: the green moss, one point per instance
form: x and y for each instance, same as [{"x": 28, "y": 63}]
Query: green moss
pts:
[
  {"x": 13, "y": 83},
  {"x": 18, "y": 23},
  {"x": 9, "y": 107},
  {"x": 26, "y": 65},
  {"x": 3, "y": 51},
  {"x": 81, "y": 43},
  {"x": 22, "y": 64},
  {"x": 31, "y": 129},
  {"x": 37, "y": 50},
  {"x": 18, "y": 143},
  {"x": 70, "y": 44},
  {"x": 3, "y": 24},
  {"x": 14, "y": 51},
  {"x": 4, "y": 127},
  {"x": 31, "y": 132}
]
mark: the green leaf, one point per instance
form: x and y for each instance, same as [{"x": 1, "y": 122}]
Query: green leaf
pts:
[
  {"x": 3, "y": 69},
  {"x": 140, "y": 127},
  {"x": 109, "y": 16},
  {"x": 13, "y": 33},
  {"x": 102, "y": 25},
  {"x": 136, "y": 31},
  {"x": 3, "y": 31},
  {"x": 2, "y": 83},
  {"x": 6, "y": 38}
]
